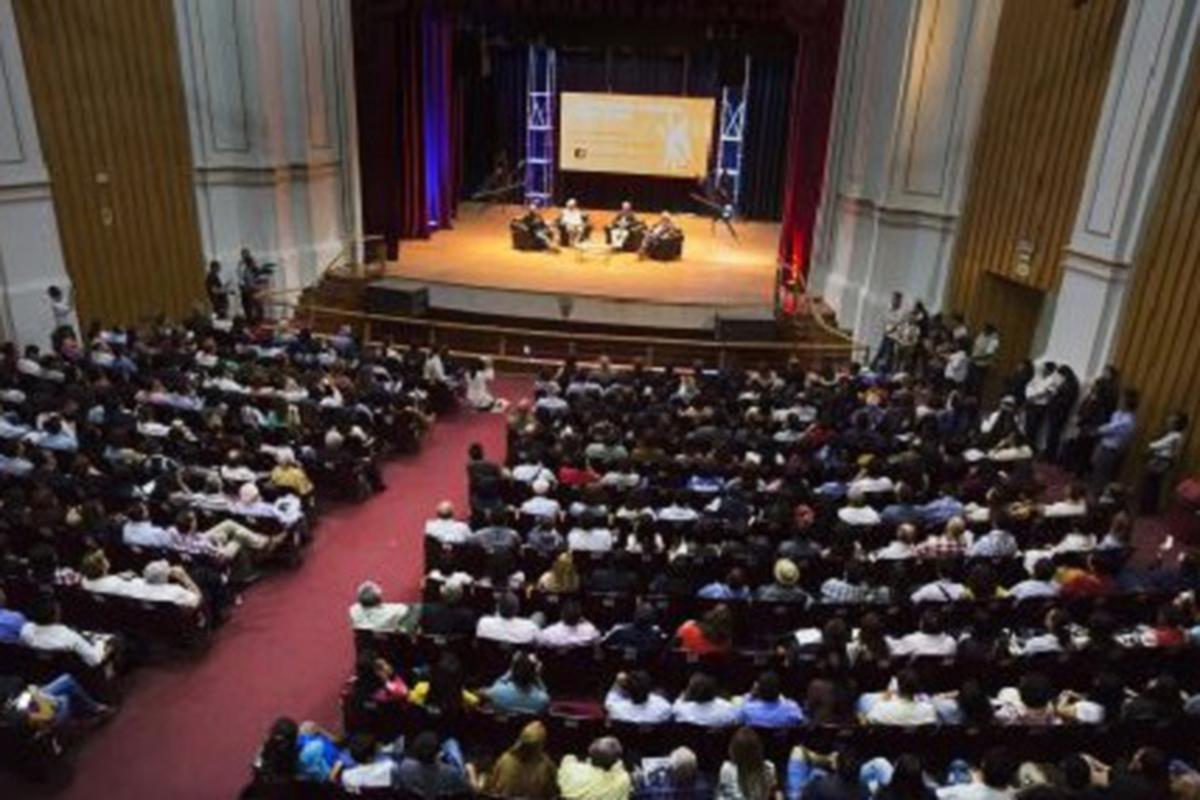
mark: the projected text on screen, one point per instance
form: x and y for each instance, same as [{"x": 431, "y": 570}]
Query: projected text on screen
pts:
[{"x": 635, "y": 134}]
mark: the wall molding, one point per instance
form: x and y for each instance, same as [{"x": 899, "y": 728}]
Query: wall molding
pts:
[{"x": 265, "y": 175}]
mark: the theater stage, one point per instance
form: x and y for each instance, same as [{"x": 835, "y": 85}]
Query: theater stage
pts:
[{"x": 715, "y": 271}]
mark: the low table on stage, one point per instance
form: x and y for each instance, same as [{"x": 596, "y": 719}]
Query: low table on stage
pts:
[{"x": 590, "y": 251}]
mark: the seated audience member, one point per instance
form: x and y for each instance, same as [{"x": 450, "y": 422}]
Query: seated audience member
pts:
[
  {"x": 996, "y": 543},
  {"x": 541, "y": 505},
  {"x": 1073, "y": 505},
  {"x": 139, "y": 531},
  {"x": 857, "y": 513},
  {"x": 848, "y": 588},
  {"x": 642, "y": 636},
  {"x": 813, "y": 776},
  {"x": 445, "y": 528},
  {"x": 732, "y": 588},
  {"x": 370, "y": 613},
  {"x": 159, "y": 582},
  {"x": 901, "y": 705},
  {"x": 447, "y": 616},
  {"x": 1030, "y": 703},
  {"x": 993, "y": 781},
  {"x": 766, "y": 707},
  {"x": 495, "y": 535},
  {"x": 786, "y": 586},
  {"x": 679, "y": 778},
  {"x": 746, "y": 774},
  {"x": 571, "y": 630},
  {"x": 700, "y": 705},
  {"x": 370, "y": 769},
  {"x": 524, "y": 771},
  {"x": 941, "y": 590},
  {"x": 930, "y": 640},
  {"x": 1041, "y": 584},
  {"x": 561, "y": 578},
  {"x": 11, "y": 622},
  {"x": 902, "y": 548},
  {"x": 54, "y": 704},
  {"x": 1092, "y": 580},
  {"x": 505, "y": 625},
  {"x": 712, "y": 634},
  {"x": 601, "y": 777},
  {"x": 631, "y": 699},
  {"x": 444, "y": 693},
  {"x": 591, "y": 535},
  {"x": 951, "y": 543},
  {"x": 431, "y": 770},
  {"x": 520, "y": 690},
  {"x": 376, "y": 681}
]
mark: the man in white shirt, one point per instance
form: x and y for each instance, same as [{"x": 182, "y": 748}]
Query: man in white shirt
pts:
[
  {"x": 942, "y": 590},
  {"x": 159, "y": 583},
  {"x": 590, "y": 540},
  {"x": 139, "y": 531},
  {"x": 541, "y": 505},
  {"x": 903, "y": 547},
  {"x": 45, "y": 631},
  {"x": 445, "y": 528},
  {"x": 858, "y": 512},
  {"x": 1038, "y": 393},
  {"x": 900, "y": 706},
  {"x": 572, "y": 630},
  {"x": 505, "y": 625},
  {"x": 630, "y": 700},
  {"x": 370, "y": 613},
  {"x": 700, "y": 705},
  {"x": 958, "y": 366},
  {"x": 1042, "y": 583},
  {"x": 929, "y": 640}
]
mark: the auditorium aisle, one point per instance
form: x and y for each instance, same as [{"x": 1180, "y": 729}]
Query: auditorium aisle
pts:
[{"x": 187, "y": 730}]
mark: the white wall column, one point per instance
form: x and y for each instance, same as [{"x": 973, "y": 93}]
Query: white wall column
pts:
[
  {"x": 270, "y": 111},
  {"x": 31, "y": 258},
  {"x": 911, "y": 82},
  {"x": 1148, "y": 75}
]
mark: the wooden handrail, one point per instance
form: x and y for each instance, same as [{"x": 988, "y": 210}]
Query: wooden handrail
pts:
[{"x": 601, "y": 338}]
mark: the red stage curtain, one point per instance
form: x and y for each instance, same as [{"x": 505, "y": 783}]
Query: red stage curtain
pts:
[{"x": 813, "y": 83}]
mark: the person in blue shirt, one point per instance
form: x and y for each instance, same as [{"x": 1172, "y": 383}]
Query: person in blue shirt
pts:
[
  {"x": 901, "y": 511},
  {"x": 318, "y": 756},
  {"x": 766, "y": 707},
  {"x": 520, "y": 690},
  {"x": 733, "y": 588},
  {"x": 11, "y": 622},
  {"x": 937, "y": 512},
  {"x": 1115, "y": 436}
]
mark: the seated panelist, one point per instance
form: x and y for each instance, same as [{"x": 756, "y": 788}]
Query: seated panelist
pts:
[
  {"x": 626, "y": 231},
  {"x": 573, "y": 225},
  {"x": 530, "y": 231},
  {"x": 663, "y": 241}
]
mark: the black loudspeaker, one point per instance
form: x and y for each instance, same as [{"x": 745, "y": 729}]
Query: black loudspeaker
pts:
[
  {"x": 396, "y": 302},
  {"x": 731, "y": 68},
  {"x": 746, "y": 330}
]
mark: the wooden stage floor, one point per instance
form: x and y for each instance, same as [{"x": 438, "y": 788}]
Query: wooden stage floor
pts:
[{"x": 715, "y": 270}]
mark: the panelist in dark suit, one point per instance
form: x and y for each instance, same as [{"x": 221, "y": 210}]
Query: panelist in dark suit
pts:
[
  {"x": 626, "y": 231},
  {"x": 664, "y": 240},
  {"x": 530, "y": 231}
]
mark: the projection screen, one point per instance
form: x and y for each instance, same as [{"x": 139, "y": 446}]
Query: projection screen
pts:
[{"x": 635, "y": 134}]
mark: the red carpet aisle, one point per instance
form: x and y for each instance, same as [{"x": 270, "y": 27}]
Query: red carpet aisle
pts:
[{"x": 188, "y": 730}]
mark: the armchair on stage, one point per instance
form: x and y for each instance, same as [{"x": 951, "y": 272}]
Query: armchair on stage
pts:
[
  {"x": 626, "y": 237},
  {"x": 668, "y": 247},
  {"x": 525, "y": 235}
]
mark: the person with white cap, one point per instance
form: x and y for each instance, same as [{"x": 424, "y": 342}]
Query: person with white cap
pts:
[
  {"x": 786, "y": 586},
  {"x": 370, "y": 613}
]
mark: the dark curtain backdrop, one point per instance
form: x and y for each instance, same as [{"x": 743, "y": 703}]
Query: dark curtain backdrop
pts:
[
  {"x": 406, "y": 118},
  {"x": 493, "y": 91},
  {"x": 764, "y": 156},
  {"x": 813, "y": 83}
]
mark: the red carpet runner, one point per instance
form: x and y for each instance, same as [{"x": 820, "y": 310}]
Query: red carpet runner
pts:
[{"x": 189, "y": 729}]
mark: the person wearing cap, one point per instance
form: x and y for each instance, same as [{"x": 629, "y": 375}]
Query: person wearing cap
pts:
[
  {"x": 524, "y": 770},
  {"x": 601, "y": 777},
  {"x": 445, "y": 528},
  {"x": 786, "y": 586},
  {"x": 370, "y": 613},
  {"x": 541, "y": 506}
]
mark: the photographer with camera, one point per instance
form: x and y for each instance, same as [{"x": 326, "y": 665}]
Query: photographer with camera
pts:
[{"x": 252, "y": 278}]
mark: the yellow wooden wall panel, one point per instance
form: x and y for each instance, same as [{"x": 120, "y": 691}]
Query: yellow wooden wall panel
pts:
[
  {"x": 1157, "y": 346},
  {"x": 1045, "y": 89},
  {"x": 108, "y": 96}
]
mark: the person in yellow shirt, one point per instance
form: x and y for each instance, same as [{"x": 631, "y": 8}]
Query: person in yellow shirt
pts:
[{"x": 601, "y": 777}]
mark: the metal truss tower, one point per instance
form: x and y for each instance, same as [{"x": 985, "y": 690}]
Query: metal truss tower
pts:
[{"x": 539, "y": 125}]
